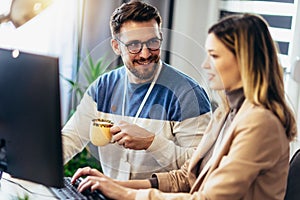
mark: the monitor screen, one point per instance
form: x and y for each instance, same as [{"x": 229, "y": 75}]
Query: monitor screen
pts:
[{"x": 30, "y": 118}]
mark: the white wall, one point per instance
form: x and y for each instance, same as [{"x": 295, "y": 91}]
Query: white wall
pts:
[{"x": 191, "y": 22}]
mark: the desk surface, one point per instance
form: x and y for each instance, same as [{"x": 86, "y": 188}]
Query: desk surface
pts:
[{"x": 12, "y": 188}]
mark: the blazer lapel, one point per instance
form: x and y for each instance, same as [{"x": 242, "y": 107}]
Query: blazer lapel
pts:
[
  {"x": 205, "y": 145},
  {"x": 222, "y": 149}
]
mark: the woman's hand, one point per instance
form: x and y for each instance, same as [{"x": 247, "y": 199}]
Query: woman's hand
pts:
[
  {"x": 95, "y": 180},
  {"x": 108, "y": 187},
  {"x": 86, "y": 171}
]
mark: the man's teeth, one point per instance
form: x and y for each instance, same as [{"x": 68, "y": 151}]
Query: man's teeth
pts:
[{"x": 144, "y": 63}]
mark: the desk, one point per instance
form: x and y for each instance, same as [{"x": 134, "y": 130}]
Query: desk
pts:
[{"x": 12, "y": 188}]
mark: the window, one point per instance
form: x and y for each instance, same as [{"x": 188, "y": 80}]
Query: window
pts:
[
  {"x": 53, "y": 32},
  {"x": 280, "y": 14}
]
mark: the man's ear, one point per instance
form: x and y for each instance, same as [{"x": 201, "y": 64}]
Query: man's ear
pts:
[{"x": 115, "y": 46}]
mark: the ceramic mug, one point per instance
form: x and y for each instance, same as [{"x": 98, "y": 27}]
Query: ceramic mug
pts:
[{"x": 100, "y": 132}]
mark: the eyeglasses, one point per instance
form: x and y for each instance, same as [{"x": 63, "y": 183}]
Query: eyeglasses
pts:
[{"x": 136, "y": 46}]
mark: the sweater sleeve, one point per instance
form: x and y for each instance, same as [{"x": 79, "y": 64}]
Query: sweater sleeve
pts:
[
  {"x": 75, "y": 134},
  {"x": 188, "y": 134}
]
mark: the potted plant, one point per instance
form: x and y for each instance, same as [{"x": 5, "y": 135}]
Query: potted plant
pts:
[{"x": 87, "y": 73}]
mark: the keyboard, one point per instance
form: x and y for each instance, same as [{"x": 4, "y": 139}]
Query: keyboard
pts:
[{"x": 70, "y": 192}]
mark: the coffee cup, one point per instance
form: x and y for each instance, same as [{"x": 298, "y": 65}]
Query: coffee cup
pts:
[{"x": 100, "y": 132}]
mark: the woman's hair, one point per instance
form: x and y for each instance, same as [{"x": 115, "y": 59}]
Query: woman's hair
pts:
[
  {"x": 133, "y": 11},
  {"x": 248, "y": 38}
]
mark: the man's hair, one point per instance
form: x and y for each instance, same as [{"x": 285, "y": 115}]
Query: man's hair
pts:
[
  {"x": 248, "y": 38},
  {"x": 136, "y": 11}
]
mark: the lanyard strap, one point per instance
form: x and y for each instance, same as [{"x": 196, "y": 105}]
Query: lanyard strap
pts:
[{"x": 145, "y": 97}]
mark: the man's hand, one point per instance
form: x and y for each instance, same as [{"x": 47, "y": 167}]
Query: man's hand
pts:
[{"x": 132, "y": 136}]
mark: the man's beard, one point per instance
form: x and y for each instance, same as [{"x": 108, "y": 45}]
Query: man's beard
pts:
[{"x": 145, "y": 75}]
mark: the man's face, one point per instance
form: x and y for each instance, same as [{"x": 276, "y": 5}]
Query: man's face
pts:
[{"x": 142, "y": 65}]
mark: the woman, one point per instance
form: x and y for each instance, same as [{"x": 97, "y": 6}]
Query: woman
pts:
[{"x": 245, "y": 151}]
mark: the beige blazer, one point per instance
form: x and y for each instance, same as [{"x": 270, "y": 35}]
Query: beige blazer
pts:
[{"x": 251, "y": 163}]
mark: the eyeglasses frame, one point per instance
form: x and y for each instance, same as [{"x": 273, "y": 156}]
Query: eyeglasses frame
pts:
[{"x": 142, "y": 43}]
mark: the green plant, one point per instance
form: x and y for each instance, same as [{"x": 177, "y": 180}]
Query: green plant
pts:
[
  {"x": 82, "y": 159},
  {"x": 87, "y": 73},
  {"x": 26, "y": 197}
]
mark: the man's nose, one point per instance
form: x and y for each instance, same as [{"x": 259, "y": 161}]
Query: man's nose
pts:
[{"x": 145, "y": 52}]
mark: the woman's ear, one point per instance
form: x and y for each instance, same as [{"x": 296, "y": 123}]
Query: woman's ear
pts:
[{"x": 115, "y": 46}]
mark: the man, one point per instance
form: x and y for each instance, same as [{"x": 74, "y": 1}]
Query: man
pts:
[{"x": 159, "y": 113}]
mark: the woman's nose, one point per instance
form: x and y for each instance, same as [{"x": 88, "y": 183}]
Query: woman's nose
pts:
[{"x": 206, "y": 63}]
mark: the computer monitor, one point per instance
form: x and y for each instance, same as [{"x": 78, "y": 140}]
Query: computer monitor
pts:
[{"x": 30, "y": 118}]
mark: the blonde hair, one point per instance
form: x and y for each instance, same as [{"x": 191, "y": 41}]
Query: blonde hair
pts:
[{"x": 248, "y": 38}]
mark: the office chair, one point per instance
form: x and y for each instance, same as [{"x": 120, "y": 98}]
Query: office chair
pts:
[{"x": 293, "y": 183}]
